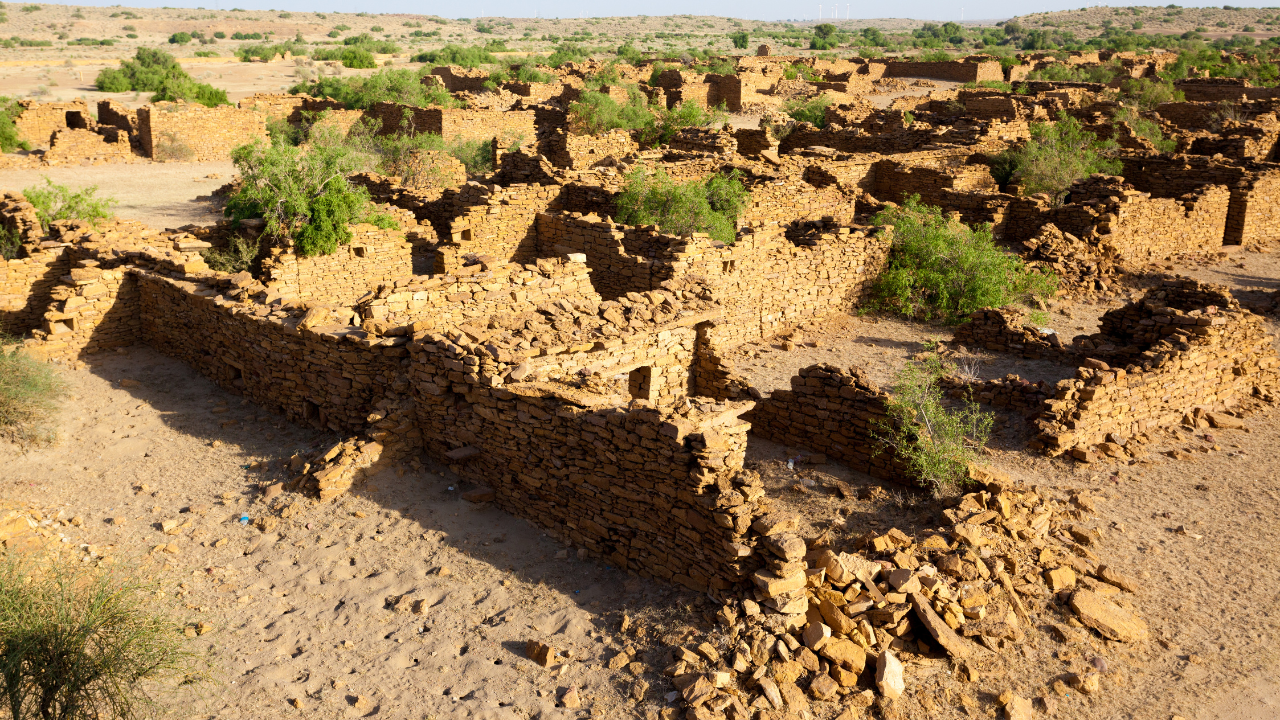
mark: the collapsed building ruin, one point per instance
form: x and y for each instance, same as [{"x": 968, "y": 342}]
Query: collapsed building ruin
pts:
[{"x": 510, "y": 329}]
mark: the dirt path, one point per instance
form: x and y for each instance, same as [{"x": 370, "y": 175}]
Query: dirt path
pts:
[
  {"x": 308, "y": 608},
  {"x": 158, "y": 194}
]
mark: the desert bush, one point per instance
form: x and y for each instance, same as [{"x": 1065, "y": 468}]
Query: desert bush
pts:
[
  {"x": 1145, "y": 128},
  {"x": 81, "y": 642},
  {"x": 171, "y": 148},
  {"x": 566, "y": 53},
  {"x": 158, "y": 72},
  {"x": 941, "y": 269},
  {"x": 812, "y": 110},
  {"x": 710, "y": 206},
  {"x": 9, "y": 110},
  {"x": 456, "y": 55},
  {"x": 990, "y": 84},
  {"x": 1058, "y": 154},
  {"x": 303, "y": 194},
  {"x": 400, "y": 85},
  {"x": 739, "y": 39},
  {"x": 1147, "y": 94},
  {"x": 934, "y": 56},
  {"x": 239, "y": 255},
  {"x": 58, "y": 202},
  {"x": 937, "y": 442},
  {"x": 10, "y": 243},
  {"x": 29, "y": 393},
  {"x": 358, "y": 59},
  {"x": 180, "y": 38}
]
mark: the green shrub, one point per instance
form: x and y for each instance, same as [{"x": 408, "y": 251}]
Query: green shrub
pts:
[
  {"x": 934, "y": 56},
  {"x": 566, "y": 53},
  {"x": 261, "y": 51},
  {"x": 739, "y": 39},
  {"x": 9, "y": 110},
  {"x": 358, "y": 59},
  {"x": 58, "y": 202},
  {"x": 1058, "y": 154},
  {"x": 1147, "y": 94},
  {"x": 595, "y": 113},
  {"x": 29, "y": 393},
  {"x": 158, "y": 72},
  {"x": 991, "y": 84},
  {"x": 629, "y": 53},
  {"x": 945, "y": 270},
  {"x": 81, "y": 642},
  {"x": 456, "y": 55},
  {"x": 304, "y": 195},
  {"x": 710, "y": 206},
  {"x": 937, "y": 443},
  {"x": 219, "y": 35},
  {"x": 813, "y": 110},
  {"x": 401, "y": 85},
  {"x": 10, "y": 243},
  {"x": 1145, "y": 128},
  {"x": 239, "y": 255},
  {"x": 179, "y": 38}
]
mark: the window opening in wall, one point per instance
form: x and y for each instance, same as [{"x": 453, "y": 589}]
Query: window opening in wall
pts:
[
  {"x": 310, "y": 410},
  {"x": 640, "y": 382},
  {"x": 75, "y": 119},
  {"x": 729, "y": 266},
  {"x": 359, "y": 250}
]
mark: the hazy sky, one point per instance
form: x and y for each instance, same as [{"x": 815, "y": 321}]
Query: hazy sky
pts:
[{"x": 753, "y": 9}]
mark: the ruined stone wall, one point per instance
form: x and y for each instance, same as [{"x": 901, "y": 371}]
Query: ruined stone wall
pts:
[
  {"x": 476, "y": 293},
  {"x": 96, "y": 309},
  {"x": 1220, "y": 89},
  {"x": 114, "y": 114},
  {"x": 1178, "y": 351},
  {"x": 579, "y": 152},
  {"x": 329, "y": 376},
  {"x": 951, "y": 71},
  {"x": 457, "y": 79},
  {"x": 1137, "y": 226},
  {"x": 454, "y": 124},
  {"x": 647, "y": 490},
  {"x": 495, "y": 222},
  {"x": 834, "y": 412},
  {"x": 622, "y": 258},
  {"x": 894, "y": 181},
  {"x": 37, "y": 122},
  {"x": 372, "y": 256},
  {"x": 767, "y": 283},
  {"x": 189, "y": 131},
  {"x": 108, "y": 144},
  {"x": 289, "y": 108},
  {"x": 26, "y": 286}
]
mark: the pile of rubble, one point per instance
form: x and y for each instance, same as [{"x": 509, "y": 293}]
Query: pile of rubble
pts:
[
  {"x": 827, "y": 628},
  {"x": 1081, "y": 267}
]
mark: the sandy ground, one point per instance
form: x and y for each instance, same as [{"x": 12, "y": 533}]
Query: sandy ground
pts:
[{"x": 158, "y": 194}]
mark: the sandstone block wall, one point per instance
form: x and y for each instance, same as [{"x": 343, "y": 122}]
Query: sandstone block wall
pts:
[
  {"x": 495, "y": 222},
  {"x": 114, "y": 114},
  {"x": 37, "y": 121},
  {"x": 952, "y": 71},
  {"x": 579, "y": 152},
  {"x": 185, "y": 131},
  {"x": 454, "y": 124},
  {"x": 372, "y": 256},
  {"x": 108, "y": 144},
  {"x": 289, "y": 108},
  {"x": 26, "y": 287},
  {"x": 831, "y": 411},
  {"x": 95, "y": 309},
  {"x": 476, "y": 293},
  {"x": 1157, "y": 361}
]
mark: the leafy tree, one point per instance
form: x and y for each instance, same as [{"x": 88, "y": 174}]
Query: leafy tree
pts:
[
  {"x": 943, "y": 269},
  {"x": 158, "y": 72},
  {"x": 304, "y": 195},
  {"x": 812, "y": 110},
  {"x": 739, "y": 39}
]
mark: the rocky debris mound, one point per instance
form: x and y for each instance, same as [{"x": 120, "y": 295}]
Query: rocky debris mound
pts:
[
  {"x": 1080, "y": 266},
  {"x": 827, "y": 627}
]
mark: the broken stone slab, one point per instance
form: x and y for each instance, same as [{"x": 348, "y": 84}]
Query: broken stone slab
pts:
[
  {"x": 463, "y": 453},
  {"x": 1109, "y": 619},
  {"x": 955, "y": 645},
  {"x": 479, "y": 495},
  {"x": 889, "y": 676}
]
